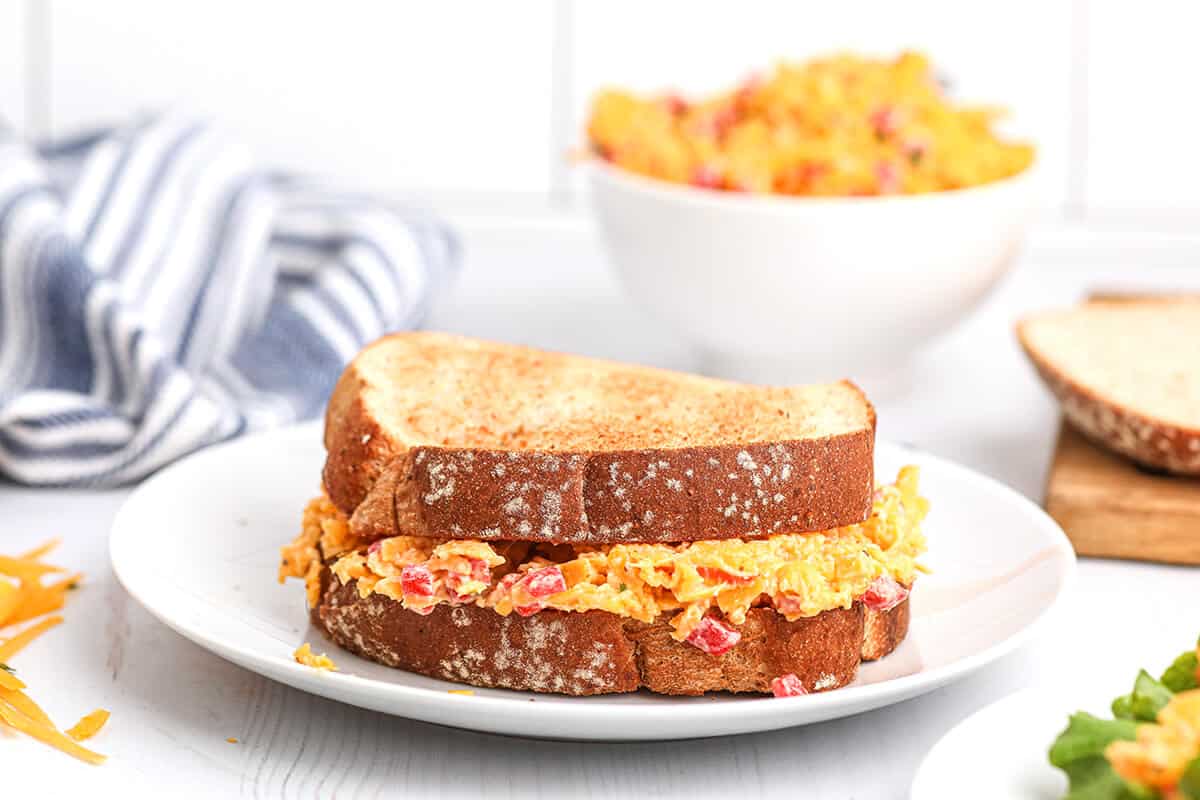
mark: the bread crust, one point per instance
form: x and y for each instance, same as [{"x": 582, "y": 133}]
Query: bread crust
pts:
[
  {"x": 1143, "y": 439},
  {"x": 596, "y": 652},
  {"x": 884, "y": 630},
  {"x": 679, "y": 494}
]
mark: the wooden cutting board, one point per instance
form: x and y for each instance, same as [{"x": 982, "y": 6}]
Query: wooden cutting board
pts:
[{"x": 1111, "y": 508}]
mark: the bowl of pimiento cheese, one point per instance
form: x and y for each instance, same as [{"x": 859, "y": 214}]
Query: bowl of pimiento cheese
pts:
[{"x": 827, "y": 218}]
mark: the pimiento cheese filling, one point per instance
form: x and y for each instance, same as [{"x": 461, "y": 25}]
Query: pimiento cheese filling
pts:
[{"x": 799, "y": 574}]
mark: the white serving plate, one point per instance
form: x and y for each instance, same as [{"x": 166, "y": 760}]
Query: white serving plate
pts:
[
  {"x": 1001, "y": 751},
  {"x": 198, "y": 546}
]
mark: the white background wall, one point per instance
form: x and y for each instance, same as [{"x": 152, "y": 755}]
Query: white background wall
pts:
[{"x": 481, "y": 101}]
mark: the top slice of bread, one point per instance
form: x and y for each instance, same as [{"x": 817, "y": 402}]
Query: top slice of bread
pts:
[
  {"x": 440, "y": 435},
  {"x": 1127, "y": 373}
]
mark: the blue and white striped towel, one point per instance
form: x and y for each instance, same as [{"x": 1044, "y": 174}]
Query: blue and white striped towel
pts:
[{"x": 159, "y": 292}]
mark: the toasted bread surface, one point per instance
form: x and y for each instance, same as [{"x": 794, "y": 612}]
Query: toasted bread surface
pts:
[
  {"x": 440, "y": 435},
  {"x": 1127, "y": 375},
  {"x": 596, "y": 652}
]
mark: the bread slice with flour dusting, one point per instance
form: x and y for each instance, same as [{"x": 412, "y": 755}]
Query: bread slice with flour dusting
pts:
[
  {"x": 595, "y": 652},
  {"x": 439, "y": 435},
  {"x": 1127, "y": 373}
]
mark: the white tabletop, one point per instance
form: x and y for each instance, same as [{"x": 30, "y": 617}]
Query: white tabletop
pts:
[{"x": 970, "y": 398}]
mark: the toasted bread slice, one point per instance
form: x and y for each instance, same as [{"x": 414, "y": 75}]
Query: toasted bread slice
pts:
[
  {"x": 439, "y": 435},
  {"x": 595, "y": 652},
  {"x": 1127, "y": 374}
]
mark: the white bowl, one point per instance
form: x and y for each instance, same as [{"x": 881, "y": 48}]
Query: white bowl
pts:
[{"x": 789, "y": 289}]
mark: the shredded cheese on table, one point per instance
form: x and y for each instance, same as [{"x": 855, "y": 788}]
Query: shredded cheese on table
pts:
[
  {"x": 89, "y": 726},
  {"x": 24, "y": 597}
]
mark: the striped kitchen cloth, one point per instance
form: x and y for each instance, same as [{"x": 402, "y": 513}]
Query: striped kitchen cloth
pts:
[{"x": 160, "y": 291}]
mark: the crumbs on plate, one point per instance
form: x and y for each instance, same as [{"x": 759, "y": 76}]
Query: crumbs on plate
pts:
[{"x": 304, "y": 655}]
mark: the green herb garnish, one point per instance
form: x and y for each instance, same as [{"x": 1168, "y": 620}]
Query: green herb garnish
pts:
[
  {"x": 1181, "y": 675},
  {"x": 1189, "y": 783},
  {"x": 1079, "y": 750},
  {"x": 7, "y": 668},
  {"x": 623, "y": 588},
  {"x": 1144, "y": 702}
]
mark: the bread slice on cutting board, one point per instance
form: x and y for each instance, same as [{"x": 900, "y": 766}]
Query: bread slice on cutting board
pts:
[
  {"x": 434, "y": 434},
  {"x": 1127, "y": 373}
]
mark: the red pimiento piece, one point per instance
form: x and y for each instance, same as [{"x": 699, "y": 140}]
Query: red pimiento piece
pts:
[
  {"x": 716, "y": 123},
  {"x": 706, "y": 177},
  {"x": 529, "y": 610},
  {"x": 674, "y": 104},
  {"x": 417, "y": 580},
  {"x": 884, "y": 594},
  {"x": 787, "y": 604},
  {"x": 713, "y": 636},
  {"x": 888, "y": 177},
  {"x": 748, "y": 87},
  {"x": 885, "y": 120},
  {"x": 787, "y": 686},
  {"x": 717, "y": 575},
  {"x": 803, "y": 175},
  {"x": 534, "y": 585},
  {"x": 526, "y": 610},
  {"x": 480, "y": 573},
  {"x": 543, "y": 582}
]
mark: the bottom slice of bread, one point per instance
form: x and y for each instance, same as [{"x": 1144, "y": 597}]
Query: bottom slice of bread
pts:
[{"x": 596, "y": 652}]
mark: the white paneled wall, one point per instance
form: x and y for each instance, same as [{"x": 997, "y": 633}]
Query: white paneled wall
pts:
[
  {"x": 12, "y": 64},
  {"x": 483, "y": 99},
  {"x": 1143, "y": 67},
  {"x": 450, "y": 94}
]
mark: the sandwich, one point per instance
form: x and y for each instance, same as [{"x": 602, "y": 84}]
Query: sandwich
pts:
[{"x": 505, "y": 517}]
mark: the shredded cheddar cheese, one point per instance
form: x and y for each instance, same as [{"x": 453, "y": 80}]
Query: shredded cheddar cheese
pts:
[
  {"x": 15, "y": 644},
  {"x": 304, "y": 655},
  {"x": 800, "y": 574},
  {"x": 89, "y": 726},
  {"x": 324, "y": 531},
  {"x": 24, "y": 597}
]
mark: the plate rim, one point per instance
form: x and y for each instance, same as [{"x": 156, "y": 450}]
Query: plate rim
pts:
[
  {"x": 781, "y": 712},
  {"x": 1063, "y": 703}
]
